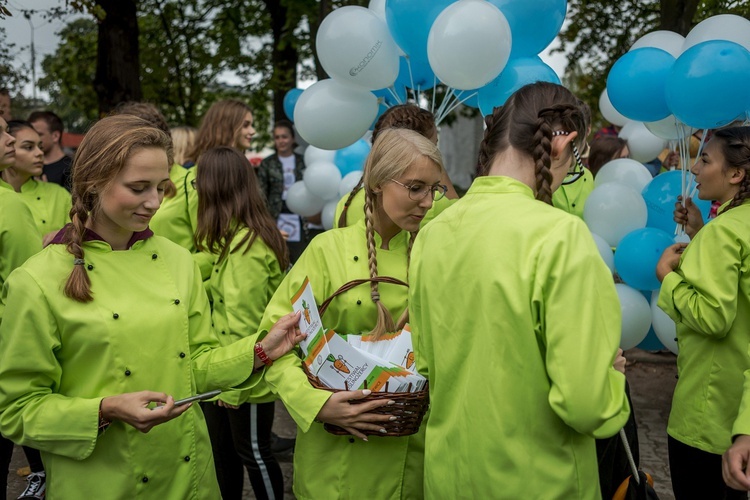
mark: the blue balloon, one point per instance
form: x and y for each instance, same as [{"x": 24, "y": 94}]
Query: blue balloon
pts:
[
  {"x": 352, "y": 157},
  {"x": 290, "y": 100},
  {"x": 516, "y": 74},
  {"x": 661, "y": 195},
  {"x": 471, "y": 101},
  {"x": 388, "y": 97},
  {"x": 636, "y": 84},
  {"x": 409, "y": 21},
  {"x": 533, "y": 24},
  {"x": 638, "y": 253},
  {"x": 707, "y": 87},
  {"x": 415, "y": 74}
]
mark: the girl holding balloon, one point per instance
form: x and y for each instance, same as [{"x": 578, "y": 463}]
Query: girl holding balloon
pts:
[{"x": 706, "y": 290}]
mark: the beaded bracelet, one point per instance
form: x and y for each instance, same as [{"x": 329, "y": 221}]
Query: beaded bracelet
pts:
[
  {"x": 262, "y": 355},
  {"x": 103, "y": 422}
]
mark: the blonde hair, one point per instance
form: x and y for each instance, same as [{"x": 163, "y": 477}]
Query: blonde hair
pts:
[
  {"x": 101, "y": 157},
  {"x": 394, "y": 151},
  {"x": 183, "y": 139},
  {"x": 219, "y": 126}
]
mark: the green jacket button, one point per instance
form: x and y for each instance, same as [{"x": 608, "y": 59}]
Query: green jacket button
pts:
[
  {"x": 154, "y": 256},
  {"x": 115, "y": 315},
  {"x": 182, "y": 354},
  {"x": 359, "y": 302},
  {"x": 145, "y": 479},
  {"x": 177, "y": 302},
  {"x": 90, "y": 267},
  {"x": 356, "y": 258},
  {"x": 187, "y": 459},
  {"x": 127, "y": 373}
]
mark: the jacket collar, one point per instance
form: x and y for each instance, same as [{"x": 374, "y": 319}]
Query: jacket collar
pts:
[{"x": 90, "y": 235}]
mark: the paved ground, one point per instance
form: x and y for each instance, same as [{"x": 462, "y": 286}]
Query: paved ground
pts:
[{"x": 652, "y": 381}]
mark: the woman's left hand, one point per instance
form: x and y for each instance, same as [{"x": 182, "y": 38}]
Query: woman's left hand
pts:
[
  {"x": 669, "y": 260},
  {"x": 283, "y": 336},
  {"x": 620, "y": 362}
]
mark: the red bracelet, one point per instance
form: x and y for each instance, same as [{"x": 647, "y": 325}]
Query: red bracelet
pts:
[{"x": 262, "y": 355}]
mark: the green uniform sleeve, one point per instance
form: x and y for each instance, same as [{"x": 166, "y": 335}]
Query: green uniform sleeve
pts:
[
  {"x": 580, "y": 330},
  {"x": 702, "y": 292},
  {"x": 31, "y": 412}
]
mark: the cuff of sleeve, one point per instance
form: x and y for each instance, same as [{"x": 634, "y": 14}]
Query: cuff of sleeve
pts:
[{"x": 666, "y": 296}]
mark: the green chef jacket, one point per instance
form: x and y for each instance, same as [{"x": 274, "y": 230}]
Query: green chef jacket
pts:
[
  {"x": 708, "y": 297},
  {"x": 572, "y": 197},
  {"x": 49, "y": 204},
  {"x": 328, "y": 466},
  {"x": 148, "y": 328},
  {"x": 517, "y": 324}
]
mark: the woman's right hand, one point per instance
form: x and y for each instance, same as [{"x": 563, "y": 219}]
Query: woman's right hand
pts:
[
  {"x": 339, "y": 411},
  {"x": 132, "y": 408},
  {"x": 689, "y": 216}
]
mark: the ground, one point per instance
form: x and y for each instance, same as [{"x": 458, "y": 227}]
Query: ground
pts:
[{"x": 652, "y": 379}]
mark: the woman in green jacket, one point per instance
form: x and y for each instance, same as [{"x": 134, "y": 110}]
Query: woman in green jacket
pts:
[
  {"x": 401, "y": 179},
  {"x": 103, "y": 316},
  {"x": 705, "y": 289},
  {"x": 517, "y": 320},
  {"x": 49, "y": 203},
  {"x": 234, "y": 225}
]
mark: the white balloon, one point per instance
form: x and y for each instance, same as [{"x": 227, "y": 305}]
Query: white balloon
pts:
[
  {"x": 722, "y": 27},
  {"x": 605, "y": 250},
  {"x": 664, "y": 327},
  {"x": 348, "y": 182},
  {"x": 609, "y": 112},
  {"x": 302, "y": 202},
  {"x": 636, "y": 316},
  {"x": 612, "y": 211},
  {"x": 328, "y": 213},
  {"x": 322, "y": 179},
  {"x": 643, "y": 145},
  {"x": 624, "y": 171},
  {"x": 469, "y": 44},
  {"x": 670, "y": 129},
  {"x": 331, "y": 115},
  {"x": 378, "y": 8},
  {"x": 355, "y": 47},
  {"x": 313, "y": 154},
  {"x": 662, "y": 39},
  {"x": 681, "y": 238}
]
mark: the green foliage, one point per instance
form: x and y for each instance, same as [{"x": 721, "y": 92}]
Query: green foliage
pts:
[{"x": 12, "y": 76}]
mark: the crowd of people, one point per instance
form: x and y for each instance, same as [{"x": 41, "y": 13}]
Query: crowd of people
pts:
[{"x": 160, "y": 264}]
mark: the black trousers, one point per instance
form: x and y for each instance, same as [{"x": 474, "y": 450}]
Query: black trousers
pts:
[
  {"x": 696, "y": 474},
  {"x": 242, "y": 437},
  {"x": 6, "y": 453}
]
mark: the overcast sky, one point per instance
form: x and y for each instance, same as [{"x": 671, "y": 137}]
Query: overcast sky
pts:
[{"x": 46, "y": 40}]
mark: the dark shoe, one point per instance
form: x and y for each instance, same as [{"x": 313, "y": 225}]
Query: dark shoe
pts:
[{"x": 280, "y": 445}]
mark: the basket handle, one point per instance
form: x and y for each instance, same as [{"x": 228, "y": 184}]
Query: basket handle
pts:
[{"x": 351, "y": 284}]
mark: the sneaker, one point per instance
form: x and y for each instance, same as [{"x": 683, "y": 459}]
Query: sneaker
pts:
[
  {"x": 280, "y": 445},
  {"x": 36, "y": 485}
]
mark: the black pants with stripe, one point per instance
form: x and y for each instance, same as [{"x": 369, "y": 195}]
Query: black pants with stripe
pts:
[{"x": 240, "y": 439}]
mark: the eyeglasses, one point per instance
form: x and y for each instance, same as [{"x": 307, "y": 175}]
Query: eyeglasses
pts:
[
  {"x": 577, "y": 170},
  {"x": 418, "y": 191}
]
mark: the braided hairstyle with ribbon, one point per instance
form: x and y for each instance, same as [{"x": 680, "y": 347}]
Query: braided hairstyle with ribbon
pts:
[
  {"x": 735, "y": 145},
  {"x": 394, "y": 151},
  {"x": 103, "y": 153},
  {"x": 526, "y": 122}
]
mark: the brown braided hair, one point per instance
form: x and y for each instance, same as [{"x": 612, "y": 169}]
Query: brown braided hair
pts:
[
  {"x": 408, "y": 116},
  {"x": 392, "y": 154},
  {"x": 100, "y": 158},
  {"x": 526, "y": 122},
  {"x": 735, "y": 146}
]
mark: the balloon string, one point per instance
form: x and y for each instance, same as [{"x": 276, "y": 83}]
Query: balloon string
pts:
[
  {"x": 393, "y": 92},
  {"x": 434, "y": 85},
  {"x": 449, "y": 97},
  {"x": 460, "y": 102},
  {"x": 411, "y": 79}
]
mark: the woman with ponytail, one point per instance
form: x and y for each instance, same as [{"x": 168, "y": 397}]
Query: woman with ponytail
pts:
[
  {"x": 517, "y": 319},
  {"x": 110, "y": 325},
  {"x": 705, "y": 289},
  {"x": 401, "y": 179}
]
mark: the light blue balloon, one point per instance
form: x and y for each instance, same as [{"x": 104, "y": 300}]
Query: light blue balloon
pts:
[
  {"x": 708, "y": 85},
  {"x": 517, "y": 73},
  {"x": 352, "y": 157},
  {"x": 636, "y": 84},
  {"x": 421, "y": 77},
  {"x": 533, "y": 23},
  {"x": 638, "y": 253},
  {"x": 409, "y": 21},
  {"x": 290, "y": 100},
  {"x": 661, "y": 195}
]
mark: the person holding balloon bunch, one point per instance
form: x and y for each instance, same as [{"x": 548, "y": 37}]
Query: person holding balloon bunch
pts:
[{"x": 705, "y": 289}]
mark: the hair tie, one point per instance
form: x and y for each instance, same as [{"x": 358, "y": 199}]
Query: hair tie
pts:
[
  {"x": 375, "y": 296},
  {"x": 78, "y": 262}
]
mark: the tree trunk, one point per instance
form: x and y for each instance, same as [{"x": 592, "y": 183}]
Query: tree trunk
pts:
[
  {"x": 117, "y": 66},
  {"x": 677, "y": 15},
  {"x": 284, "y": 55}
]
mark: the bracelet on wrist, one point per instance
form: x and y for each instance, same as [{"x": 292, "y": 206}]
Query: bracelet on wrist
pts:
[
  {"x": 262, "y": 355},
  {"x": 103, "y": 422}
]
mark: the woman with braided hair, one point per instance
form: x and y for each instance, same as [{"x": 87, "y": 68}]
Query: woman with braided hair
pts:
[
  {"x": 401, "y": 179},
  {"x": 705, "y": 289},
  {"x": 520, "y": 359},
  {"x": 350, "y": 208},
  {"x": 104, "y": 319}
]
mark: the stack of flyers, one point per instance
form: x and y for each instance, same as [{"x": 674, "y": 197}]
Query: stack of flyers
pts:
[{"x": 359, "y": 363}]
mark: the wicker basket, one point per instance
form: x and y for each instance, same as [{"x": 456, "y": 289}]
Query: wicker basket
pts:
[{"x": 408, "y": 407}]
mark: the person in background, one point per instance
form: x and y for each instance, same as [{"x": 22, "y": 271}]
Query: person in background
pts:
[
  {"x": 276, "y": 174},
  {"x": 57, "y": 164},
  {"x": 705, "y": 289},
  {"x": 5, "y": 104},
  {"x": 183, "y": 139},
  {"x": 605, "y": 149}
]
